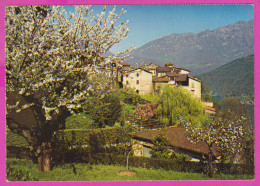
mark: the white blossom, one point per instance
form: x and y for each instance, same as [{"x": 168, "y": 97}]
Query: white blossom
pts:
[{"x": 55, "y": 58}]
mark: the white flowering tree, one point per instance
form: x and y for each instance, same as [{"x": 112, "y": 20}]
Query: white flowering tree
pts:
[
  {"x": 226, "y": 134},
  {"x": 54, "y": 61}
]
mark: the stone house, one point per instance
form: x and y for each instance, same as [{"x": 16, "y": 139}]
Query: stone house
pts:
[
  {"x": 193, "y": 85},
  {"x": 140, "y": 80},
  {"x": 143, "y": 143}
]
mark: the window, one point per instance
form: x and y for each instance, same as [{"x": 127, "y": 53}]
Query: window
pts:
[
  {"x": 137, "y": 75},
  {"x": 147, "y": 151},
  {"x": 192, "y": 85},
  {"x": 127, "y": 82},
  {"x": 126, "y": 75},
  {"x": 137, "y": 82}
]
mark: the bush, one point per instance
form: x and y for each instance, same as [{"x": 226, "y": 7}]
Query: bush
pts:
[
  {"x": 73, "y": 145},
  {"x": 114, "y": 109},
  {"x": 129, "y": 96},
  {"x": 162, "y": 147},
  {"x": 207, "y": 97},
  {"x": 19, "y": 152},
  {"x": 150, "y": 98},
  {"x": 13, "y": 139},
  {"x": 230, "y": 168},
  {"x": 80, "y": 121},
  {"x": 13, "y": 174},
  {"x": 129, "y": 117},
  {"x": 108, "y": 135},
  {"x": 104, "y": 111}
]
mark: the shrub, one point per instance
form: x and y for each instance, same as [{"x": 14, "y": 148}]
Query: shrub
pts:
[
  {"x": 13, "y": 139},
  {"x": 230, "y": 168},
  {"x": 80, "y": 121},
  {"x": 108, "y": 135},
  {"x": 162, "y": 147},
  {"x": 164, "y": 120},
  {"x": 129, "y": 96},
  {"x": 13, "y": 174},
  {"x": 150, "y": 98},
  {"x": 207, "y": 97},
  {"x": 19, "y": 152},
  {"x": 104, "y": 111},
  {"x": 73, "y": 145},
  {"x": 114, "y": 108}
]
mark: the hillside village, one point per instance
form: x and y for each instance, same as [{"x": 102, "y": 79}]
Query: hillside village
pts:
[{"x": 150, "y": 78}]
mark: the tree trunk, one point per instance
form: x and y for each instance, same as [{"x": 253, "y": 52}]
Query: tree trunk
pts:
[
  {"x": 127, "y": 162},
  {"x": 211, "y": 168},
  {"x": 45, "y": 158}
]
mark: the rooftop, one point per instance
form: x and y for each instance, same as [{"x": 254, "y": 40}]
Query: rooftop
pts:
[
  {"x": 181, "y": 78},
  {"x": 172, "y": 74},
  {"x": 164, "y": 69},
  {"x": 140, "y": 68},
  {"x": 161, "y": 79},
  {"x": 195, "y": 78},
  {"x": 177, "y": 138}
]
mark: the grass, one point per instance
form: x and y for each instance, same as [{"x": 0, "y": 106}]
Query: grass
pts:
[{"x": 86, "y": 172}]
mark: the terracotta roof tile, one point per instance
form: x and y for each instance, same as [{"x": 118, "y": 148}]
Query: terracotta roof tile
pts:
[
  {"x": 195, "y": 78},
  {"x": 177, "y": 138},
  {"x": 164, "y": 69},
  {"x": 181, "y": 78},
  {"x": 161, "y": 79},
  {"x": 172, "y": 74}
]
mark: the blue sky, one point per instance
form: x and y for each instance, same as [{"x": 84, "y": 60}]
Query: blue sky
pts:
[{"x": 149, "y": 22}]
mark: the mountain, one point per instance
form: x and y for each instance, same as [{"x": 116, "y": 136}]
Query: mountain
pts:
[
  {"x": 234, "y": 78},
  {"x": 200, "y": 52}
]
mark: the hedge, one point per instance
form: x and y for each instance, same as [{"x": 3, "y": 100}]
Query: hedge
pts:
[
  {"x": 75, "y": 136},
  {"x": 103, "y": 135},
  {"x": 84, "y": 156},
  {"x": 175, "y": 165},
  {"x": 13, "y": 139}
]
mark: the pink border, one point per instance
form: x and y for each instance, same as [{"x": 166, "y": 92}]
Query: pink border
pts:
[{"x": 143, "y": 183}]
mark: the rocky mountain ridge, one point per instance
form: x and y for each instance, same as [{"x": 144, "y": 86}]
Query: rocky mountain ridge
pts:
[{"x": 200, "y": 52}]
